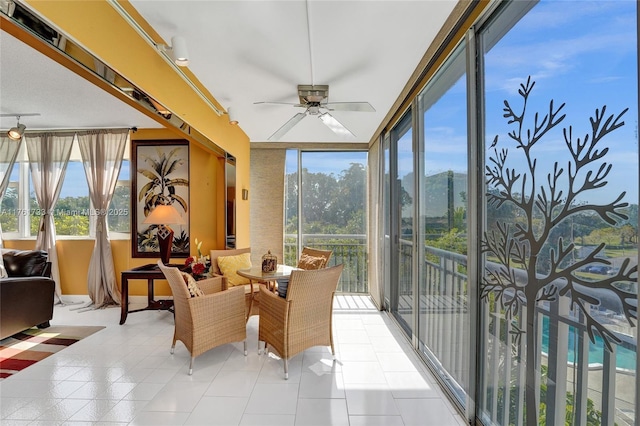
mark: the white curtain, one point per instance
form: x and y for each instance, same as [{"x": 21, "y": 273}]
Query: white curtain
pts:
[
  {"x": 375, "y": 225},
  {"x": 48, "y": 158},
  {"x": 102, "y": 153},
  {"x": 8, "y": 152}
]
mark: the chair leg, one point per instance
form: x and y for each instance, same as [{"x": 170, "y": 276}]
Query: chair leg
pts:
[
  {"x": 286, "y": 369},
  {"x": 191, "y": 366},
  {"x": 245, "y": 348},
  {"x": 173, "y": 347}
]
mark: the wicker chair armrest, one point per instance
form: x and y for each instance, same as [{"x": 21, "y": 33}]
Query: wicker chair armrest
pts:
[
  {"x": 273, "y": 306},
  {"x": 213, "y": 285},
  {"x": 223, "y": 306}
]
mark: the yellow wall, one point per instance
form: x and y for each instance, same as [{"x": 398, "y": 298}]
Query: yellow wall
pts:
[
  {"x": 205, "y": 206},
  {"x": 101, "y": 30}
]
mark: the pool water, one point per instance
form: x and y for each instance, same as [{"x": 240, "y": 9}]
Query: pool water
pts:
[{"x": 625, "y": 358}]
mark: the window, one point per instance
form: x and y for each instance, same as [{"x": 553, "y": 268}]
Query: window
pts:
[
  {"x": 546, "y": 323},
  {"x": 20, "y": 213},
  {"x": 326, "y": 209}
]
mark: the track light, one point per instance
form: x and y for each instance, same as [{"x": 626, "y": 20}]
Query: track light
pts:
[
  {"x": 233, "y": 120},
  {"x": 178, "y": 49},
  {"x": 16, "y": 133}
]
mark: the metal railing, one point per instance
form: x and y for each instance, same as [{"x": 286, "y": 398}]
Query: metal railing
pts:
[
  {"x": 348, "y": 249},
  {"x": 574, "y": 383}
]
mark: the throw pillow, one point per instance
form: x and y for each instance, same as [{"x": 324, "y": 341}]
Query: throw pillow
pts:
[
  {"x": 230, "y": 264},
  {"x": 192, "y": 285},
  {"x": 310, "y": 262}
]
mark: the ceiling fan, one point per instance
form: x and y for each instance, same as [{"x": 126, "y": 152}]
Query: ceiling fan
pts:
[{"x": 314, "y": 99}]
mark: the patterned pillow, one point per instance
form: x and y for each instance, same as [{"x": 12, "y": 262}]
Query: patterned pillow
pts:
[
  {"x": 192, "y": 285},
  {"x": 311, "y": 262},
  {"x": 230, "y": 264}
]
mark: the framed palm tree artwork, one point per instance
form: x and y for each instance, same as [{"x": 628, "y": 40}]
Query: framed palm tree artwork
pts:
[{"x": 160, "y": 177}]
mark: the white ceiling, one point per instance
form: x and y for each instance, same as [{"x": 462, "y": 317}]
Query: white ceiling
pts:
[
  {"x": 250, "y": 51},
  {"x": 32, "y": 83}
]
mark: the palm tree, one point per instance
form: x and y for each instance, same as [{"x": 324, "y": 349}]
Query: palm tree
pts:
[{"x": 161, "y": 189}]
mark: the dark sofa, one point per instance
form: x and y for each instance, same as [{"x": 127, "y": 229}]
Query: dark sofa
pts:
[{"x": 27, "y": 294}]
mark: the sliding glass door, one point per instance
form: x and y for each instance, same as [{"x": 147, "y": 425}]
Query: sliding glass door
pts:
[
  {"x": 402, "y": 196},
  {"x": 443, "y": 287}
]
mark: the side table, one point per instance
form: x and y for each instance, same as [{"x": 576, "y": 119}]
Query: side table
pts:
[{"x": 150, "y": 273}]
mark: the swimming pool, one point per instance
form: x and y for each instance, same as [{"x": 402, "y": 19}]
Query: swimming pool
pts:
[{"x": 625, "y": 358}]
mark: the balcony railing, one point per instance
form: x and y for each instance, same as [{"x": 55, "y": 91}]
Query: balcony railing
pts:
[
  {"x": 348, "y": 249},
  {"x": 578, "y": 373}
]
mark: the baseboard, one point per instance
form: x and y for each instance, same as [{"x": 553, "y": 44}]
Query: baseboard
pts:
[{"x": 73, "y": 299}]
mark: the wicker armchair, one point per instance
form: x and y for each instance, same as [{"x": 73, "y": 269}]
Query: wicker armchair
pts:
[
  {"x": 302, "y": 319},
  {"x": 204, "y": 322},
  {"x": 250, "y": 291},
  {"x": 314, "y": 253}
]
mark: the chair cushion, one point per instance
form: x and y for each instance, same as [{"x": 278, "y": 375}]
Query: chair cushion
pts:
[
  {"x": 230, "y": 264},
  {"x": 311, "y": 262},
  {"x": 192, "y": 285}
]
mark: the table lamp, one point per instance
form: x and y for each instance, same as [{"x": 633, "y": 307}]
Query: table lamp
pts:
[{"x": 163, "y": 215}]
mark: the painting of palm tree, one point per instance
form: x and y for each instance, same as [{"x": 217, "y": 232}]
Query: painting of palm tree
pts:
[{"x": 161, "y": 177}]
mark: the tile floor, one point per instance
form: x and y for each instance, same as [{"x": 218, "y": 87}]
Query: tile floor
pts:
[{"x": 125, "y": 375}]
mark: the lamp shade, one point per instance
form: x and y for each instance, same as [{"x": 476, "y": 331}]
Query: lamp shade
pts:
[{"x": 164, "y": 215}]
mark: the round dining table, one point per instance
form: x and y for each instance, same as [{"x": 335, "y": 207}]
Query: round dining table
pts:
[{"x": 270, "y": 279}]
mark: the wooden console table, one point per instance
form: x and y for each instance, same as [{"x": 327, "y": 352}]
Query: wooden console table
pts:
[{"x": 150, "y": 273}]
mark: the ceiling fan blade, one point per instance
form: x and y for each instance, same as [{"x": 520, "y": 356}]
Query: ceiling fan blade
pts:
[
  {"x": 335, "y": 125},
  {"x": 350, "y": 106},
  {"x": 287, "y": 126},
  {"x": 280, "y": 103}
]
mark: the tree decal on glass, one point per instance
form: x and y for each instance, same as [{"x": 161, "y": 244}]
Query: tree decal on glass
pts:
[{"x": 528, "y": 261}]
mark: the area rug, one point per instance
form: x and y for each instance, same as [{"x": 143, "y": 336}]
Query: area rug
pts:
[{"x": 30, "y": 346}]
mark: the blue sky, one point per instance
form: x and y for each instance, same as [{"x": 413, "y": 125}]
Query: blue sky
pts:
[{"x": 580, "y": 53}]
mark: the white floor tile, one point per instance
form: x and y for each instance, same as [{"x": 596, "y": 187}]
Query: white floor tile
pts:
[
  {"x": 268, "y": 420},
  {"x": 375, "y": 421},
  {"x": 412, "y": 385},
  {"x": 126, "y": 375},
  {"x": 123, "y": 411},
  {"x": 425, "y": 412},
  {"x": 177, "y": 396},
  {"x": 156, "y": 418},
  {"x": 270, "y": 398},
  {"x": 93, "y": 411},
  {"x": 356, "y": 352},
  {"x": 322, "y": 412},
  {"x": 362, "y": 372},
  {"x": 371, "y": 402},
  {"x": 63, "y": 410},
  {"x": 143, "y": 391},
  {"x": 233, "y": 383},
  {"x": 396, "y": 361},
  {"x": 321, "y": 386},
  {"x": 217, "y": 410}
]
